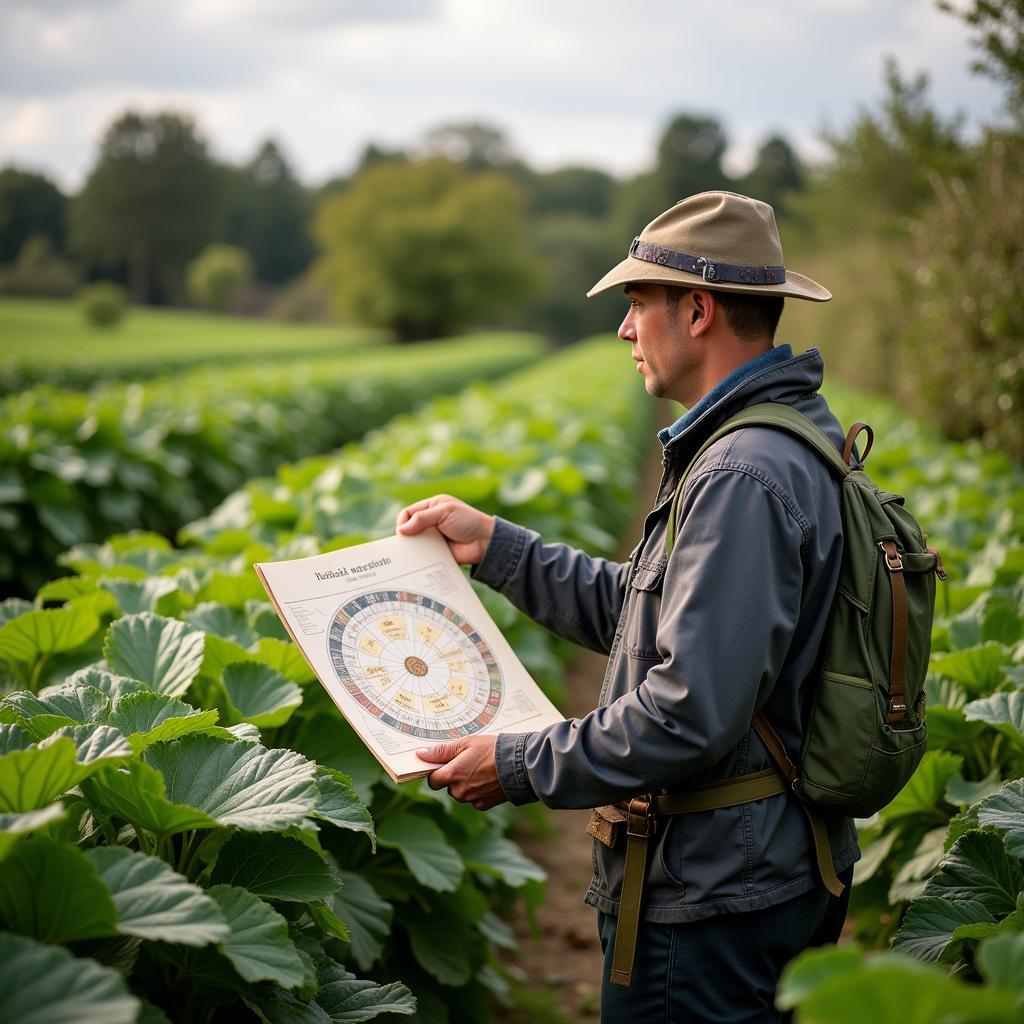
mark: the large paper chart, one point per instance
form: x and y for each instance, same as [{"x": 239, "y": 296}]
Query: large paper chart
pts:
[
  {"x": 398, "y": 638},
  {"x": 415, "y": 664}
]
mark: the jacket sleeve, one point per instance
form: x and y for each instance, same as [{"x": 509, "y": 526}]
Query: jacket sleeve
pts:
[
  {"x": 572, "y": 594},
  {"x": 730, "y": 604}
]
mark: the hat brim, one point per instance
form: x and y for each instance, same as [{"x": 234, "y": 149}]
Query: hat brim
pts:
[{"x": 796, "y": 286}]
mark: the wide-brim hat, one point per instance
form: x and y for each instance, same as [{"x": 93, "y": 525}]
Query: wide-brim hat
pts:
[{"x": 718, "y": 240}]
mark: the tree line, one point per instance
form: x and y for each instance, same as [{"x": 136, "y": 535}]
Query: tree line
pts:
[{"x": 526, "y": 243}]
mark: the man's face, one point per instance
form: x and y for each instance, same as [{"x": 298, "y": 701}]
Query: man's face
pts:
[{"x": 661, "y": 348}]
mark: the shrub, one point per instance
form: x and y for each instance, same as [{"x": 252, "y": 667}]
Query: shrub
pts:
[
  {"x": 39, "y": 272},
  {"x": 102, "y": 304},
  {"x": 217, "y": 274}
]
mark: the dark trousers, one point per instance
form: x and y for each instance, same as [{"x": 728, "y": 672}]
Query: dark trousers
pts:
[{"x": 722, "y": 970}]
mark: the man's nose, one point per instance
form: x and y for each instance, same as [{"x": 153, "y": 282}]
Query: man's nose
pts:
[{"x": 626, "y": 330}]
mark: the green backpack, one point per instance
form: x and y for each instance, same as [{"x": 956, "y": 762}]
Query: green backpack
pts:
[{"x": 865, "y": 730}]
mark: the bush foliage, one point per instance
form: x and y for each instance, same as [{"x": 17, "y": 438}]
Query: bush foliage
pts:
[{"x": 102, "y": 304}]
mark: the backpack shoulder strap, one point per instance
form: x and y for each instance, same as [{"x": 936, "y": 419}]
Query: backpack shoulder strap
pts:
[{"x": 764, "y": 414}]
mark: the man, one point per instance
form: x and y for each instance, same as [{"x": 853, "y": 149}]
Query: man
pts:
[{"x": 727, "y": 624}]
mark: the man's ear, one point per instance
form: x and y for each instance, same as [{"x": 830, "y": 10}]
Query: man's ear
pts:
[{"x": 703, "y": 312}]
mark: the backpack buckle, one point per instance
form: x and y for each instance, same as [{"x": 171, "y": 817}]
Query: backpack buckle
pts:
[
  {"x": 640, "y": 820},
  {"x": 893, "y": 558}
]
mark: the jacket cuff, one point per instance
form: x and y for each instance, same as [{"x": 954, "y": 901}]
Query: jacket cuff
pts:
[
  {"x": 503, "y": 554},
  {"x": 510, "y": 761}
]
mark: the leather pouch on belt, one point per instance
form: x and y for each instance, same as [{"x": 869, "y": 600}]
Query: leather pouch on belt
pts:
[{"x": 607, "y": 825}]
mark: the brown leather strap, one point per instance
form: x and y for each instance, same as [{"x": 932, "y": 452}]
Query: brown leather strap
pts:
[
  {"x": 851, "y": 436},
  {"x": 898, "y": 713},
  {"x": 816, "y": 823},
  {"x": 639, "y": 831}
]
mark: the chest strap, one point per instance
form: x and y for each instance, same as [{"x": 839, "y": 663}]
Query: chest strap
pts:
[{"x": 641, "y": 817}]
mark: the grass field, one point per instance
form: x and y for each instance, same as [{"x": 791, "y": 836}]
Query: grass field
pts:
[{"x": 48, "y": 341}]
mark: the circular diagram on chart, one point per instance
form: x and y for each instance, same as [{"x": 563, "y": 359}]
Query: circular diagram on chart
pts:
[{"x": 415, "y": 664}]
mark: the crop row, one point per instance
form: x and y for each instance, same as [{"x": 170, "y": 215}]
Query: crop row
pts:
[
  {"x": 79, "y": 466},
  {"x": 942, "y": 873},
  {"x": 49, "y": 342},
  {"x": 234, "y": 851}
]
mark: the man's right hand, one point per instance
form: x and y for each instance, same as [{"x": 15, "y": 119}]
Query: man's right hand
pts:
[{"x": 467, "y": 530}]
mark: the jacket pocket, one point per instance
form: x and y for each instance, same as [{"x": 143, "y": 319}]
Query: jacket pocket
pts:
[{"x": 645, "y": 607}]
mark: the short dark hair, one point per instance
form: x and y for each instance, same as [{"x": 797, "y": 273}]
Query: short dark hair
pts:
[{"x": 749, "y": 316}]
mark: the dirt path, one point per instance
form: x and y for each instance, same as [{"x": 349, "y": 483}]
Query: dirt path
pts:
[{"x": 561, "y": 966}]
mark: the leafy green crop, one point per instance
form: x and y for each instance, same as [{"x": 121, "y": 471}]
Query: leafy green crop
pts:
[
  {"x": 77, "y": 467},
  {"x": 226, "y": 847}
]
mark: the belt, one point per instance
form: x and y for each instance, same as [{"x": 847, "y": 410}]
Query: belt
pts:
[{"x": 640, "y": 815}]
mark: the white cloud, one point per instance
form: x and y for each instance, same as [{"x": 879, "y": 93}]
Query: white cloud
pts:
[{"x": 584, "y": 81}]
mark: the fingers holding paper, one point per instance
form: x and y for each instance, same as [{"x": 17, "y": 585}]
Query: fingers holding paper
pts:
[
  {"x": 468, "y": 771},
  {"x": 466, "y": 529}
]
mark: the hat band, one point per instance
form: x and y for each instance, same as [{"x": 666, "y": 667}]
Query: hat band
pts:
[{"x": 729, "y": 273}]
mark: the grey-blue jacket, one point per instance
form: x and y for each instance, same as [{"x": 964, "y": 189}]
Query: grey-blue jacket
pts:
[{"x": 730, "y": 624}]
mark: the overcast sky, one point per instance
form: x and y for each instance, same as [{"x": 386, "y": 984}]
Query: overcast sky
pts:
[{"x": 570, "y": 81}]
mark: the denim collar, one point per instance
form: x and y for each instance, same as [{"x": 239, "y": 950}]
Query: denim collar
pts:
[{"x": 772, "y": 357}]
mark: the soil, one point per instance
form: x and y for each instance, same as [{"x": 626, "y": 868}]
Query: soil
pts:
[{"x": 562, "y": 956}]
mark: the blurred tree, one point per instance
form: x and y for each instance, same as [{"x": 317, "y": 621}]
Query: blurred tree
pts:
[
  {"x": 576, "y": 251},
  {"x": 1000, "y": 27},
  {"x": 266, "y": 212},
  {"x": 883, "y": 167},
  {"x": 776, "y": 172},
  {"x": 39, "y": 271},
  {"x": 150, "y": 202},
  {"x": 689, "y": 160},
  {"x": 425, "y": 248},
  {"x": 474, "y": 144},
  {"x": 582, "y": 190},
  {"x": 216, "y": 274},
  {"x": 30, "y": 204},
  {"x": 690, "y": 156}
]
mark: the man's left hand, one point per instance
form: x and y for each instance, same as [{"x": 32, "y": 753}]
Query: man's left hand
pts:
[{"x": 469, "y": 771}]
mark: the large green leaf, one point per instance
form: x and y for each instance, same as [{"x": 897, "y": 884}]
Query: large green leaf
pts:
[
  {"x": 1004, "y": 811},
  {"x": 240, "y": 784},
  {"x": 1004, "y": 711},
  {"x": 1001, "y": 961},
  {"x": 441, "y": 943},
  {"x": 47, "y": 985},
  {"x": 31, "y": 779},
  {"x": 834, "y": 986},
  {"x": 93, "y": 743},
  {"x": 977, "y": 867},
  {"x": 155, "y": 902},
  {"x": 50, "y": 891},
  {"x": 909, "y": 882},
  {"x": 114, "y": 686},
  {"x": 13, "y": 737},
  {"x": 258, "y": 945},
  {"x": 137, "y": 793},
  {"x": 46, "y": 631},
  {"x": 222, "y": 621},
  {"x": 348, "y": 1000},
  {"x": 69, "y": 705},
  {"x": 166, "y": 654},
  {"x": 368, "y": 918},
  {"x": 979, "y": 668},
  {"x": 145, "y": 717},
  {"x": 274, "y": 867},
  {"x": 928, "y": 929},
  {"x": 14, "y": 825},
  {"x": 258, "y": 694},
  {"x": 284, "y": 656},
  {"x": 424, "y": 849},
  {"x": 925, "y": 791},
  {"x": 135, "y": 596},
  {"x": 340, "y": 805},
  {"x": 492, "y": 854}
]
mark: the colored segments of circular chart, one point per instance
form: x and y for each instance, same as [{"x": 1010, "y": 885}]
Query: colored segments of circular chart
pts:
[{"x": 415, "y": 665}]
